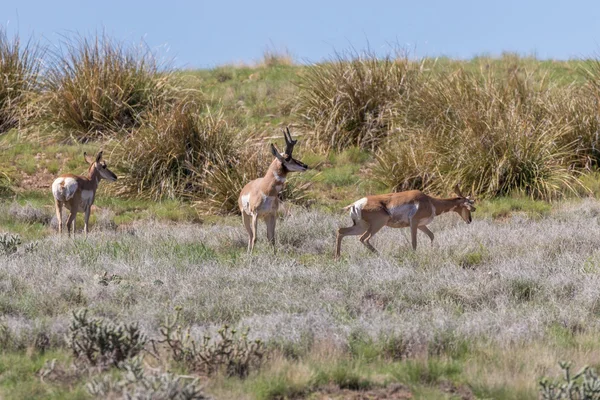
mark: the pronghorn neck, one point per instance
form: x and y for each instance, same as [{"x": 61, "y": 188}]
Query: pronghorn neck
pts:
[
  {"x": 94, "y": 177},
  {"x": 444, "y": 205},
  {"x": 275, "y": 177}
]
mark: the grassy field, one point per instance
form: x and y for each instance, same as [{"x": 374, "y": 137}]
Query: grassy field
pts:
[{"x": 485, "y": 312}]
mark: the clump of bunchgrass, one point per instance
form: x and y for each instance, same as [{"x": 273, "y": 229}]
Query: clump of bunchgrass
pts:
[
  {"x": 168, "y": 155},
  {"x": 351, "y": 99},
  {"x": 19, "y": 69},
  {"x": 97, "y": 86},
  {"x": 495, "y": 134}
]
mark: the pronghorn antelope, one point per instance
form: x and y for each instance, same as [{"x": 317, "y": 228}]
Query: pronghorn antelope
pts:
[
  {"x": 412, "y": 209},
  {"x": 77, "y": 193},
  {"x": 259, "y": 198}
]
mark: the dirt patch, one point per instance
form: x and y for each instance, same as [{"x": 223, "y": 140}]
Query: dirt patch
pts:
[
  {"x": 462, "y": 391},
  {"x": 395, "y": 392}
]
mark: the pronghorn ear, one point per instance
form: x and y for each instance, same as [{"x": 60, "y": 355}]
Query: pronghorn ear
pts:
[
  {"x": 276, "y": 152},
  {"x": 99, "y": 156},
  {"x": 87, "y": 158}
]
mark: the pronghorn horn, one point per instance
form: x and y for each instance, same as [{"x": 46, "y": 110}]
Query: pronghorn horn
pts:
[
  {"x": 293, "y": 142},
  {"x": 289, "y": 142},
  {"x": 276, "y": 152},
  {"x": 457, "y": 190}
]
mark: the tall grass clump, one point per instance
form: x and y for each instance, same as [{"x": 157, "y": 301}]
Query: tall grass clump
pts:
[
  {"x": 19, "y": 70},
  {"x": 495, "y": 133},
  {"x": 350, "y": 100},
  {"x": 167, "y": 156},
  {"x": 97, "y": 86}
]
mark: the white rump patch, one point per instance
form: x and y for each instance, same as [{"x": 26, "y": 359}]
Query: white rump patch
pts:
[
  {"x": 356, "y": 209},
  {"x": 246, "y": 203},
  {"x": 64, "y": 189}
]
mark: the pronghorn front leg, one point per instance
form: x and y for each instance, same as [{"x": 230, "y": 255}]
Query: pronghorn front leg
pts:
[
  {"x": 271, "y": 220},
  {"x": 426, "y": 231},
  {"x": 86, "y": 220}
]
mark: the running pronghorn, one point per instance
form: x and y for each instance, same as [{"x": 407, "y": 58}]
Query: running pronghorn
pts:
[
  {"x": 77, "y": 193},
  {"x": 412, "y": 209},
  {"x": 260, "y": 197}
]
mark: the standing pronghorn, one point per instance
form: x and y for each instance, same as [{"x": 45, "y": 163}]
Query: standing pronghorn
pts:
[
  {"x": 78, "y": 192},
  {"x": 412, "y": 209},
  {"x": 259, "y": 198}
]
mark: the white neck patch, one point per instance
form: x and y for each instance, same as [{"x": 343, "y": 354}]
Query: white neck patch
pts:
[{"x": 278, "y": 178}]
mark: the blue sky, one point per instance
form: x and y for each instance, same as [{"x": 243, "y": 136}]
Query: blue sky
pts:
[{"x": 209, "y": 33}]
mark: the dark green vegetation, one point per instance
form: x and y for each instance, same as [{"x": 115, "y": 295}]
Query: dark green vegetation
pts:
[{"x": 516, "y": 132}]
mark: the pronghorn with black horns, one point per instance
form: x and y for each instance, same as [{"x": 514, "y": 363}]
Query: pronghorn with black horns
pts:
[
  {"x": 260, "y": 197},
  {"x": 412, "y": 209},
  {"x": 77, "y": 193}
]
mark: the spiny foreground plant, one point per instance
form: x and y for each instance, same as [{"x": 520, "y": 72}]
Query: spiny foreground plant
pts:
[
  {"x": 103, "y": 343},
  {"x": 232, "y": 354},
  {"x": 583, "y": 385},
  {"x": 19, "y": 70},
  {"x": 97, "y": 86}
]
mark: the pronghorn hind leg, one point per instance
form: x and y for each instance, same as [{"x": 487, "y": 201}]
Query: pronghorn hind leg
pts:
[
  {"x": 71, "y": 221},
  {"x": 248, "y": 225},
  {"x": 426, "y": 230},
  {"x": 358, "y": 228},
  {"x": 59, "y": 219},
  {"x": 254, "y": 232},
  {"x": 413, "y": 232},
  {"x": 375, "y": 226},
  {"x": 270, "y": 221}
]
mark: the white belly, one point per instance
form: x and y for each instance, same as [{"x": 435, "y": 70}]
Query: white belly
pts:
[
  {"x": 87, "y": 198},
  {"x": 269, "y": 205},
  {"x": 401, "y": 215}
]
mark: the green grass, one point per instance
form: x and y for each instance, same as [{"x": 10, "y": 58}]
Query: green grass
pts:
[
  {"x": 504, "y": 207},
  {"x": 19, "y": 380}
]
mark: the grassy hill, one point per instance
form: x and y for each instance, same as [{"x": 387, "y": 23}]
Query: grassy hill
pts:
[{"x": 484, "y": 312}]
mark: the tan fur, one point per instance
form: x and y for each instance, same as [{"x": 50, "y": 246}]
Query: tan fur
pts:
[
  {"x": 412, "y": 209},
  {"x": 84, "y": 194},
  {"x": 259, "y": 199}
]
